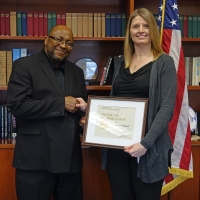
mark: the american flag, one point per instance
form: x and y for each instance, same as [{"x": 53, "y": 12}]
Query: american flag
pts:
[{"x": 179, "y": 129}]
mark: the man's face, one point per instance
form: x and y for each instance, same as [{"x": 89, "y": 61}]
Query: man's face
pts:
[{"x": 58, "y": 45}]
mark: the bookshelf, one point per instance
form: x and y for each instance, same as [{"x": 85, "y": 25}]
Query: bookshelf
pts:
[{"x": 95, "y": 182}]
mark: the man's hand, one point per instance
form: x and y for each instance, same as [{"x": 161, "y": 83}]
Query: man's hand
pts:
[
  {"x": 82, "y": 105},
  {"x": 82, "y": 121},
  {"x": 135, "y": 150},
  {"x": 70, "y": 104}
]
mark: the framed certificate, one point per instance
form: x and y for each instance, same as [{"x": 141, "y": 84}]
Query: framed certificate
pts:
[{"x": 114, "y": 122}]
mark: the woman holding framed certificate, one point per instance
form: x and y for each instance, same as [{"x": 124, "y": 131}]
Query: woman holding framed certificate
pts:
[{"x": 145, "y": 71}]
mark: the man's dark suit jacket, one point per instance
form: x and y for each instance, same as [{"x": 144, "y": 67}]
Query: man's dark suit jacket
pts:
[{"x": 48, "y": 136}]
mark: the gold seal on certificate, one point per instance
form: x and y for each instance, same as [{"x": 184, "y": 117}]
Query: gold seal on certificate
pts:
[{"x": 114, "y": 122}]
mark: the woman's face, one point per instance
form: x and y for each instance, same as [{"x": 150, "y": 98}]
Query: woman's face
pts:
[{"x": 139, "y": 31}]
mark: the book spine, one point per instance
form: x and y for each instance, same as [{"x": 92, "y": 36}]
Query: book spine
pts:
[
  {"x": 185, "y": 26},
  {"x": 118, "y": 25},
  {"x": 41, "y": 24},
  {"x": 103, "y": 25},
  {"x": 123, "y": 24},
  {"x": 30, "y": 23},
  {"x": 80, "y": 25},
  {"x": 95, "y": 25},
  {"x": 13, "y": 24},
  {"x": 45, "y": 22},
  {"x": 7, "y": 23},
  {"x": 87, "y": 25},
  {"x": 16, "y": 54},
  {"x": 2, "y": 27},
  {"x": 194, "y": 26},
  {"x": 53, "y": 19},
  {"x": 2, "y": 68},
  {"x": 24, "y": 23},
  {"x": 190, "y": 26},
  {"x": 63, "y": 18},
  {"x": 19, "y": 24},
  {"x": 98, "y": 24},
  {"x": 69, "y": 20},
  {"x": 35, "y": 24},
  {"x": 112, "y": 25},
  {"x": 198, "y": 29},
  {"x": 181, "y": 24},
  {"x": 8, "y": 65},
  {"x": 75, "y": 24},
  {"x": 58, "y": 18},
  {"x": 49, "y": 22},
  {"x": 23, "y": 52},
  {"x": 107, "y": 16}
]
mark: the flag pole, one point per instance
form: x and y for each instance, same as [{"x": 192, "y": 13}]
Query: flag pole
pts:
[{"x": 162, "y": 21}]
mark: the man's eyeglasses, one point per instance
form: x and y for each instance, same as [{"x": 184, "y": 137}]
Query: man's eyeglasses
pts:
[{"x": 61, "y": 41}]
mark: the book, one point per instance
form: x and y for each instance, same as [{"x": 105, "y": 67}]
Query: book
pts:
[
  {"x": 16, "y": 53},
  {"x": 2, "y": 121},
  {"x": 95, "y": 25},
  {"x": 35, "y": 23},
  {"x": 118, "y": 25},
  {"x": 8, "y": 65},
  {"x": 107, "y": 16},
  {"x": 30, "y": 23},
  {"x": 24, "y": 23},
  {"x": 7, "y": 23},
  {"x": 19, "y": 24},
  {"x": 13, "y": 24},
  {"x": 194, "y": 26},
  {"x": 3, "y": 68},
  {"x": 53, "y": 19},
  {"x": 49, "y": 22},
  {"x": 185, "y": 26},
  {"x": 99, "y": 24},
  {"x": 45, "y": 23},
  {"x": 103, "y": 25},
  {"x": 112, "y": 25},
  {"x": 2, "y": 23},
  {"x": 190, "y": 26},
  {"x": 80, "y": 25},
  {"x": 69, "y": 20},
  {"x": 86, "y": 25},
  {"x": 123, "y": 24},
  {"x": 181, "y": 24},
  {"x": 23, "y": 52},
  {"x": 58, "y": 18},
  {"x": 74, "y": 24},
  {"x": 41, "y": 24},
  {"x": 63, "y": 18},
  {"x": 187, "y": 67},
  {"x": 198, "y": 28}
]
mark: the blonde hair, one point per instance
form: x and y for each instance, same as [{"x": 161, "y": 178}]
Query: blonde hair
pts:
[{"x": 153, "y": 31}]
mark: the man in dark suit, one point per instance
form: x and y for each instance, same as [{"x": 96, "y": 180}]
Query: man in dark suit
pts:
[{"x": 42, "y": 95}]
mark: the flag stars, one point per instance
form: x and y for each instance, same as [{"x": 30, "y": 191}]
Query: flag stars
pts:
[
  {"x": 159, "y": 18},
  {"x": 161, "y": 7},
  {"x": 175, "y": 6},
  {"x": 173, "y": 22}
]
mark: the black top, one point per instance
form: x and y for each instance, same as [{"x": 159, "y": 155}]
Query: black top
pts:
[{"x": 133, "y": 85}]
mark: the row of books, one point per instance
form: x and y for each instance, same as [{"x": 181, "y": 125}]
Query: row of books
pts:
[
  {"x": 190, "y": 26},
  {"x": 6, "y": 60},
  {"x": 192, "y": 68},
  {"x": 82, "y": 24},
  {"x": 8, "y": 123}
]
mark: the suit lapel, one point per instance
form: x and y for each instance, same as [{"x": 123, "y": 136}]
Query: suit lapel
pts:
[
  {"x": 48, "y": 71},
  {"x": 68, "y": 78}
]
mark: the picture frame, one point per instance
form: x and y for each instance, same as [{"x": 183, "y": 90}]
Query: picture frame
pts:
[{"x": 114, "y": 122}]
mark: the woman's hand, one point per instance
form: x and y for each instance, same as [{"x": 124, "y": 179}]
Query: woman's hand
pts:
[
  {"x": 82, "y": 105},
  {"x": 135, "y": 150}
]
